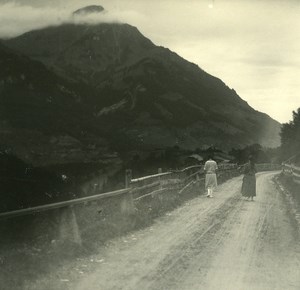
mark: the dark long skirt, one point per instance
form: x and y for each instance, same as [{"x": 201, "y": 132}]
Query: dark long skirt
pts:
[{"x": 249, "y": 186}]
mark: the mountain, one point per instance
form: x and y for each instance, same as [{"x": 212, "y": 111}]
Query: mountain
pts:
[
  {"x": 140, "y": 96},
  {"x": 43, "y": 117},
  {"x": 85, "y": 52}
]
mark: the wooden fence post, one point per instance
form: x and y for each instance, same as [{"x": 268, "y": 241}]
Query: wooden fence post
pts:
[
  {"x": 68, "y": 228},
  {"x": 128, "y": 177},
  {"x": 127, "y": 204},
  {"x": 159, "y": 171}
]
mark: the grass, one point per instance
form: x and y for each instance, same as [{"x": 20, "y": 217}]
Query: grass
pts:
[{"x": 292, "y": 187}]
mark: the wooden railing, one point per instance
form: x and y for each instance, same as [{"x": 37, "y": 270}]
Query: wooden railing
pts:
[
  {"x": 292, "y": 170},
  {"x": 67, "y": 203},
  {"x": 139, "y": 188},
  {"x": 268, "y": 167}
]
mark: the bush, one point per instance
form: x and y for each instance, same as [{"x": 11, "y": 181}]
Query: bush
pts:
[{"x": 22, "y": 185}]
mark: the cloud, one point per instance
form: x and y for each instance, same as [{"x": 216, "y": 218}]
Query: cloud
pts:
[{"x": 16, "y": 19}]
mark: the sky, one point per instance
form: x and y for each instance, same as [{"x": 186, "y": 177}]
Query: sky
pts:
[{"x": 251, "y": 45}]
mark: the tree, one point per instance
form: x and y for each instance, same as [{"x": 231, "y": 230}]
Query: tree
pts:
[{"x": 290, "y": 136}]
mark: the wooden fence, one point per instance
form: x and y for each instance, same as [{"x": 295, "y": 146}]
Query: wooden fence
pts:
[
  {"x": 101, "y": 216},
  {"x": 149, "y": 185},
  {"x": 293, "y": 170}
]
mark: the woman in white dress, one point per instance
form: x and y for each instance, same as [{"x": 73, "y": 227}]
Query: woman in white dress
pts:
[{"x": 211, "y": 183}]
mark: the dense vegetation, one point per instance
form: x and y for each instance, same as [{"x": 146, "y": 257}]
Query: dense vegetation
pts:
[
  {"x": 259, "y": 153},
  {"x": 23, "y": 185},
  {"x": 290, "y": 138}
]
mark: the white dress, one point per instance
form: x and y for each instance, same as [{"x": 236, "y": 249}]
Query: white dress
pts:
[{"x": 210, "y": 178}]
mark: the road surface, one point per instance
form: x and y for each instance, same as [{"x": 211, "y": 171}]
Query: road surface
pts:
[{"x": 225, "y": 242}]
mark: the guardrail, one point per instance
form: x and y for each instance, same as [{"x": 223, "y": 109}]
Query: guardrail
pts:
[{"x": 293, "y": 170}]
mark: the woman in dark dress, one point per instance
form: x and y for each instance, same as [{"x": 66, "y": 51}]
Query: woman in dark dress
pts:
[{"x": 249, "y": 180}]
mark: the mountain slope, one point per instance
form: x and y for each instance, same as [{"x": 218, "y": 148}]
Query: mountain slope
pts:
[
  {"x": 43, "y": 116},
  {"x": 147, "y": 96}
]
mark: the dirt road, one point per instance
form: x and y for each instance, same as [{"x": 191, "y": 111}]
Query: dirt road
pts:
[{"x": 224, "y": 242}]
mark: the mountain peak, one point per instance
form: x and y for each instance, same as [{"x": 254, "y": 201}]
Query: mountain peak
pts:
[{"x": 89, "y": 10}]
